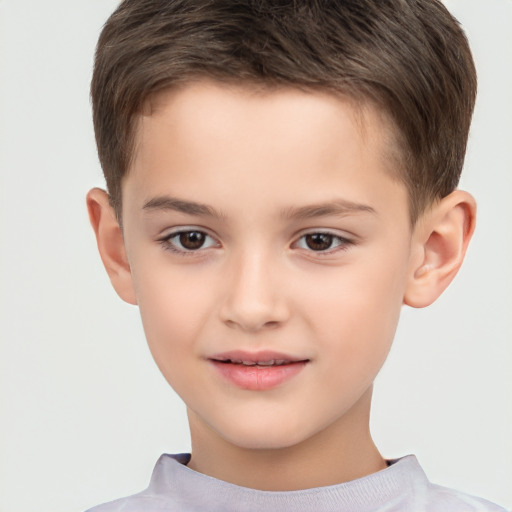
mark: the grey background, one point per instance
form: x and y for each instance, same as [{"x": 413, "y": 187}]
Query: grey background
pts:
[{"x": 84, "y": 412}]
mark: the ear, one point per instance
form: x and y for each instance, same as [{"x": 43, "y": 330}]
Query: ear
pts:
[
  {"x": 440, "y": 240},
  {"x": 111, "y": 244}
]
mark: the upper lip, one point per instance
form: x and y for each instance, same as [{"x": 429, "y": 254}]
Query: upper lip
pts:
[{"x": 259, "y": 357}]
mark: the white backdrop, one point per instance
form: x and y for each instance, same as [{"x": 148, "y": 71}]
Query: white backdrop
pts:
[{"x": 84, "y": 411}]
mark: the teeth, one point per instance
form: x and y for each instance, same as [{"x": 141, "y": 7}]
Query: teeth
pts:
[{"x": 270, "y": 362}]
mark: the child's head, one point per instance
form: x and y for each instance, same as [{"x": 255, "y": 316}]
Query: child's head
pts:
[
  {"x": 408, "y": 58},
  {"x": 269, "y": 158}
]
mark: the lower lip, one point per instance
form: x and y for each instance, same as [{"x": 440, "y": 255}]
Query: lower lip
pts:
[{"x": 258, "y": 378}]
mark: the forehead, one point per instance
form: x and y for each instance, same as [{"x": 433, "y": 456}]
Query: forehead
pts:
[
  {"x": 207, "y": 133},
  {"x": 196, "y": 103}
]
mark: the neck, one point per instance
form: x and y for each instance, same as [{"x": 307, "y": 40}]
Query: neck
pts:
[{"x": 341, "y": 452}]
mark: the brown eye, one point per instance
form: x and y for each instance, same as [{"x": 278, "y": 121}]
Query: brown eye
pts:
[
  {"x": 188, "y": 242},
  {"x": 192, "y": 240},
  {"x": 319, "y": 241}
]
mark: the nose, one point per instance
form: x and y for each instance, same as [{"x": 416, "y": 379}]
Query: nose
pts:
[{"x": 254, "y": 299}]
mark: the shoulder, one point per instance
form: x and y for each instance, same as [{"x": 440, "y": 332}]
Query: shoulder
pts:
[
  {"x": 443, "y": 499},
  {"x": 417, "y": 493},
  {"x": 161, "y": 495},
  {"x": 136, "y": 503}
]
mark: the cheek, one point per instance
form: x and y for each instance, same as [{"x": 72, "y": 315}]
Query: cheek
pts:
[
  {"x": 172, "y": 309},
  {"x": 166, "y": 294},
  {"x": 356, "y": 340},
  {"x": 358, "y": 298},
  {"x": 355, "y": 311}
]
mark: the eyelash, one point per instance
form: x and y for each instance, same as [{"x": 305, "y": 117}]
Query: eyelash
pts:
[
  {"x": 343, "y": 243},
  {"x": 169, "y": 245}
]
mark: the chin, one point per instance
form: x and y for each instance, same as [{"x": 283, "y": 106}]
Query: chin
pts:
[{"x": 266, "y": 436}]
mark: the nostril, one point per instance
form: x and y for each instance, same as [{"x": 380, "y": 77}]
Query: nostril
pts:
[{"x": 252, "y": 326}]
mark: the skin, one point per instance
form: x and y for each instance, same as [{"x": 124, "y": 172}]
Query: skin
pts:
[{"x": 269, "y": 168}]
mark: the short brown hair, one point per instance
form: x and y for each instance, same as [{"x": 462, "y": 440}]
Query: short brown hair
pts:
[{"x": 410, "y": 57}]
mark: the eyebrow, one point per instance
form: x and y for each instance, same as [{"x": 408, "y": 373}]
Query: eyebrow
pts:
[
  {"x": 180, "y": 205},
  {"x": 339, "y": 207}
]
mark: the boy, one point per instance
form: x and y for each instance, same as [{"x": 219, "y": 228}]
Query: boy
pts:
[{"x": 281, "y": 179}]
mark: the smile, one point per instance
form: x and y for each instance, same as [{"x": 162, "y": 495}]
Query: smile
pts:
[
  {"x": 271, "y": 362},
  {"x": 257, "y": 372}
]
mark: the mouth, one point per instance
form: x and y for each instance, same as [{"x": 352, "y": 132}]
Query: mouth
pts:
[
  {"x": 250, "y": 362},
  {"x": 263, "y": 358},
  {"x": 257, "y": 371}
]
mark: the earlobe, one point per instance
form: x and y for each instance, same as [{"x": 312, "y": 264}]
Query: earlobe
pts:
[
  {"x": 440, "y": 241},
  {"x": 111, "y": 244}
]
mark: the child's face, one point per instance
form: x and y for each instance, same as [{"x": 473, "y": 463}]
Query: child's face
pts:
[{"x": 260, "y": 227}]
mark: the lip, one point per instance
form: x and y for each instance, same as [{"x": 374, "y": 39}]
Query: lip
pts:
[{"x": 257, "y": 371}]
